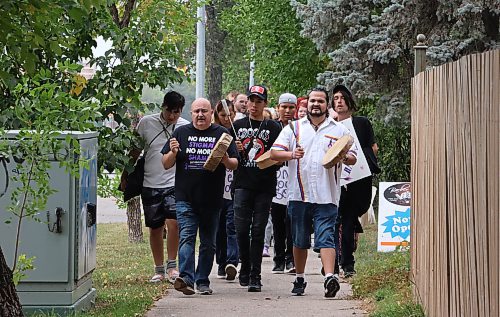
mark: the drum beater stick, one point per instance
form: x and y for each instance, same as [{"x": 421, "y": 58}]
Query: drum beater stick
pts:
[
  {"x": 226, "y": 109},
  {"x": 293, "y": 130}
]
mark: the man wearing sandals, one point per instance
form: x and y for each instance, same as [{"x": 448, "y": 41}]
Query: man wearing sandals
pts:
[
  {"x": 314, "y": 191},
  {"x": 157, "y": 195}
]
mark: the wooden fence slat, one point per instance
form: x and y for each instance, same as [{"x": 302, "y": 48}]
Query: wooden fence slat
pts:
[
  {"x": 455, "y": 173},
  {"x": 494, "y": 184}
]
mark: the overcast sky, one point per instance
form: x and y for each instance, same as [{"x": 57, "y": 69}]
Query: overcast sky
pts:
[{"x": 102, "y": 47}]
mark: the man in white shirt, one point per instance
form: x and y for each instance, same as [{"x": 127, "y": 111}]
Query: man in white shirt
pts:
[
  {"x": 158, "y": 198},
  {"x": 314, "y": 191}
]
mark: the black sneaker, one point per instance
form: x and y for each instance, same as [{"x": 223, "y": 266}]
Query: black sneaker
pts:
[
  {"x": 244, "y": 280},
  {"x": 231, "y": 272},
  {"x": 332, "y": 286},
  {"x": 299, "y": 286},
  {"x": 221, "y": 272},
  {"x": 255, "y": 285},
  {"x": 279, "y": 268},
  {"x": 290, "y": 268},
  {"x": 181, "y": 286}
]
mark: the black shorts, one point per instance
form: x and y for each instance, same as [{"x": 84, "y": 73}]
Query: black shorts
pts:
[{"x": 158, "y": 205}]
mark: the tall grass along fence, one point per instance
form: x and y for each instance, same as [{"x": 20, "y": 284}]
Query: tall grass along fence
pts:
[{"x": 455, "y": 172}]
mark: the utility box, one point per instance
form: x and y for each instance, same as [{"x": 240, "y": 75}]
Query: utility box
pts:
[{"x": 63, "y": 236}]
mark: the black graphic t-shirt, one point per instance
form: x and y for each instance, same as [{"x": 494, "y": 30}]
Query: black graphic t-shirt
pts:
[
  {"x": 194, "y": 184},
  {"x": 257, "y": 137}
]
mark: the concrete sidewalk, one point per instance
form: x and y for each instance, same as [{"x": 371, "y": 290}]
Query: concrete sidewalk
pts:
[
  {"x": 230, "y": 299},
  {"x": 108, "y": 211}
]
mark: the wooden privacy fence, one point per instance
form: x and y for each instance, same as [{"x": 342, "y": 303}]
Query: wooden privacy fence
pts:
[{"x": 455, "y": 171}]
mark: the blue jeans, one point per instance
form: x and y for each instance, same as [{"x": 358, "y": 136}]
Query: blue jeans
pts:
[
  {"x": 320, "y": 216},
  {"x": 189, "y": 220},
  {"x": 227, "y": 244},
  {"x": 251, "y": 212}
]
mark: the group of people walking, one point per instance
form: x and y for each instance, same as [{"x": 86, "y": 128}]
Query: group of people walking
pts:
[{"x": 230, "y": 206}]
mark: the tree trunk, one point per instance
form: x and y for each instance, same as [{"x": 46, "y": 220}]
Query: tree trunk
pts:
[
  {"x": 134, "y": 220},
  {"x": 9, "y": 301},
  {"x": 215, "y": 50}
]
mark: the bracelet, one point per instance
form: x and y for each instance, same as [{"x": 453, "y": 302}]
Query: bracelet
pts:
[{"x": 293, "y": 155}]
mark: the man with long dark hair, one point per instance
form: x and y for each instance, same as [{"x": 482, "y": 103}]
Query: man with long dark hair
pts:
[{"x": 355, "y": 197}]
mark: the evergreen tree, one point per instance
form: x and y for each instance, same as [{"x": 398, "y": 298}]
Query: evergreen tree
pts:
[{"x": 370, "y": 43}]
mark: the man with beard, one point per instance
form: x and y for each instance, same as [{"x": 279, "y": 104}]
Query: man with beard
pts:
[
  {"x": 313, "y": 190},
  {"x": 254, "y": 188},
  {"x": 198, "y": 194}
]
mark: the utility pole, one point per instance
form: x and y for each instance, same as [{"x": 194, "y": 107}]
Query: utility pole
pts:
[
  {"x": 251, "y": 80},
  {"x": 200, "y": 52}
]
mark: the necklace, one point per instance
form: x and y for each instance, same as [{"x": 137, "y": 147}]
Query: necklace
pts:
[
  {"x": 316, "y": 126},
  {"x": 255, "y": 145}
]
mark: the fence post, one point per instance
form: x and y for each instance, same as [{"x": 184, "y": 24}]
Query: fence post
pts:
[{"x": 420, "y": 50}]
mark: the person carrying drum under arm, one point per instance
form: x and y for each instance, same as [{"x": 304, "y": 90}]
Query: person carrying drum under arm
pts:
[
  {"x": 198, "y": 192},
  {"x": 254, "y": 188},
  {"x": 313, "y": 189},
  {"x": 355, "y": 197},
  {"x": 158, "y": 186}
]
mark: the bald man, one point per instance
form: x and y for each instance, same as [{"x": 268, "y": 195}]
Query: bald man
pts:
[{"x": 198, "y": 194}]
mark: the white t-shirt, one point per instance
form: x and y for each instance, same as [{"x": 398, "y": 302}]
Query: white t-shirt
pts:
[
  {"x": 227, "y": 184},
  {"x": 155, "y": 176},
  {"x": 239, "y": 115},
  {"x": 308, "y": 180}
]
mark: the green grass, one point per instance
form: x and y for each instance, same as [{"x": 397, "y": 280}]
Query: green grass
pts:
[
  {"x": 382, "y": 279},
  {"x": 122, "y": 274},
  {"x": 123, "y": 270}
]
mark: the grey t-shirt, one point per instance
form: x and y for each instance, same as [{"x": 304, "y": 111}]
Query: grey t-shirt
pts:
[{"x": 155, "y": 176}]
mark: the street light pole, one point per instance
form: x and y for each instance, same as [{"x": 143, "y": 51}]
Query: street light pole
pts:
[
  {"x": 200, "y": 52},
  {"x": 251, "y": 80}
]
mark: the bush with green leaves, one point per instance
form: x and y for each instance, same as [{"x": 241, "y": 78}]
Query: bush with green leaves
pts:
[
  {"x": 284, "y": 61},
  {"x": 43, "y": 44}
]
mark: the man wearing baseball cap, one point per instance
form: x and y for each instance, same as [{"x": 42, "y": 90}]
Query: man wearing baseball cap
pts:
[
  {"x": 283, "y": 246},
  {"x": 254, "y": 188}
]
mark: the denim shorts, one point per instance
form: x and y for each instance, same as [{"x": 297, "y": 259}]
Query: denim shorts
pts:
[
  {"x": 320, "y": 217},
  {"x": 158, "y": 205}
]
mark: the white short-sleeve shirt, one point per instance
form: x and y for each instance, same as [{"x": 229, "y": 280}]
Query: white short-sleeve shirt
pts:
[
  {"x": 155, "y": 175},
  {"x": 308, "y": 180}
]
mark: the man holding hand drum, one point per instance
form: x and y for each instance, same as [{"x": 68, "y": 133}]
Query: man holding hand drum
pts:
[
  {"x": 198, "y": 193},
  {"x": 314, "y": 190}
]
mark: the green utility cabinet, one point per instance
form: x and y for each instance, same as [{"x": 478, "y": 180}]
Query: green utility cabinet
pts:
[{"x": 63, "y": 238}]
